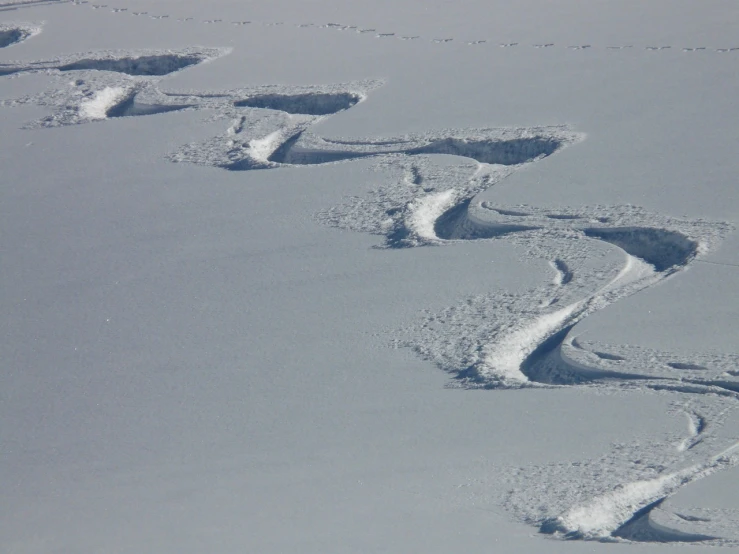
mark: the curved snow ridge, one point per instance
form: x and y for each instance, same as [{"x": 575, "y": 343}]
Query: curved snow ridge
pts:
[
  {"x": 486, "y": 146},
  {"x": 485, "y": 157},
  {"x": 652, "y": 247},
  {"x": 457, "y": 223},
  {"x": 625, "y": 494},
  {"x": 624, "y": 511},
  {"x": 15, "y": 33},
  {"x": 664, "y": 523},
  {"x": 267, "y": 121},
  {"x": 502, "y": 361},
  {"x": 96, "y": 99},
  {"x": 536, "y": 346},
  {"x": 424, "y": 211},
  {"x": 661, "y": 248},
  {"x": 598, "y": 255},
  {"x": 710, "y": 373},
  {"x": 154, "y": 65},
  {"x": 608, "y": 515},
  {"x": 128, "y": 100},
  {"x": 293, "y": 111}
]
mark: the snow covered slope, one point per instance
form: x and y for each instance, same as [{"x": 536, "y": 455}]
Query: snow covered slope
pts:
[{"x": 241, "y": 240}]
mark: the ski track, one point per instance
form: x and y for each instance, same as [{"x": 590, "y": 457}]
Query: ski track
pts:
[{"x": 598, "y": 255}]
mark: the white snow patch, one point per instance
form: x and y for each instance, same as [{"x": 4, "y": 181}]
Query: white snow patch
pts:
[
  {"x": 424, "y": 211},
  {"x": 503, "y": 359},
  {"x": 604, "y": 514},
  {"x": 262, "y": 149},
  {"x": 97, "y": 107}
]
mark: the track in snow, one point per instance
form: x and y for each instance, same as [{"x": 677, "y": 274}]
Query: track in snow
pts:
[
  {"x": 598, "y": 256},
  {"x": 144, "y": 63},
  {"x": 107, "y": 84},
  {"x": 16, "y": 33}
]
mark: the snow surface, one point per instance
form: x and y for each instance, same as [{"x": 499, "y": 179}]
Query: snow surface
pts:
[
  {"x": 241, "y": 239},
  {"x": 100, "y": 104}
]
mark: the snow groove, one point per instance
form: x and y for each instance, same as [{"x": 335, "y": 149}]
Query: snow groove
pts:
[
  {"x": 143, "y": 63},
  {"x": 130, "y": 106},
  {"x": 311, "y": 103},
  {"x": 155, "y": 65},
  {"x": 15, "y": 34},
  {"x": 308, "y": 149}
]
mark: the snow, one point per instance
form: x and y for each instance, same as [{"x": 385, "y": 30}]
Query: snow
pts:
[
  {"x": 602, "y": 516},
  {"x": 368, "y": 276},
  {"x": 97, "y": 107},
  {"x": 262, "y": 149},
  {"x": 504, "y": 358},
  {"x": 423, "y": 213}
]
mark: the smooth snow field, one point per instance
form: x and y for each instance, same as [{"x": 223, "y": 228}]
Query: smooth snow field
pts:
[{"x": 356, "y": 277}]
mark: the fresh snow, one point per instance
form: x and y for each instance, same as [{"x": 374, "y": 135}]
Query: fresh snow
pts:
[
  {"x": 368, "y": 276},
  {"x": 98, "y": 106}
]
